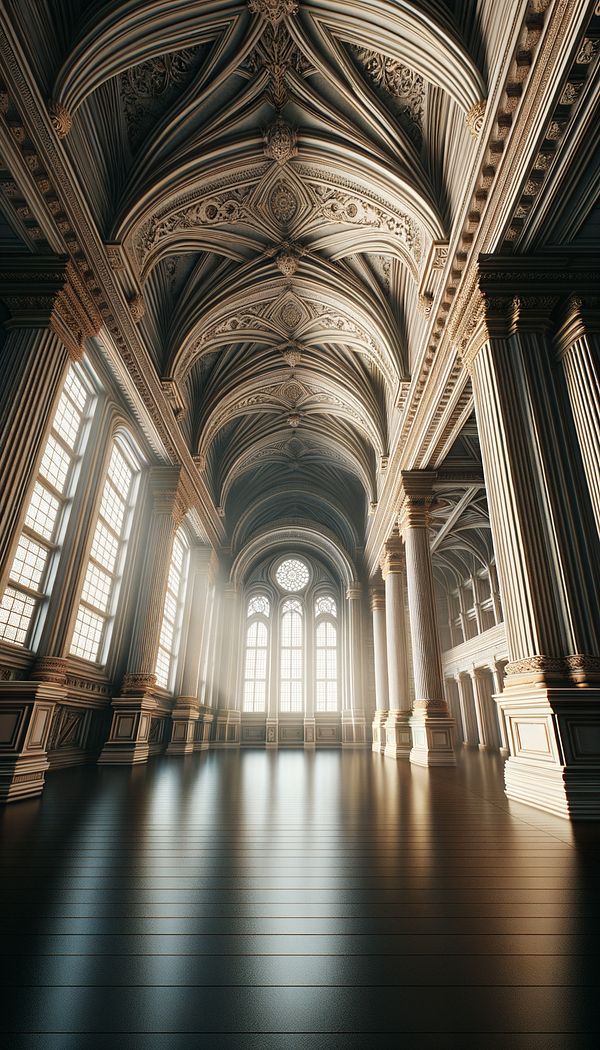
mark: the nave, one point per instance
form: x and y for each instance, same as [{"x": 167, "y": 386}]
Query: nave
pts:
[{"x": 252, "y": 899}]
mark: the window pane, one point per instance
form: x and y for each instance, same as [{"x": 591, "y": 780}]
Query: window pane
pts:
[
  {"x": 87, "y": 634},
  {"x": 112, "y": 508},
  {"x": 43, "y": 511},
  {"x": 67, "y": 421},
  {"x": 96, "y": 587},
  {"x": 120, "y": 472},
  {"x": 255, "y": 665},
  {"x": 163, "y": 667},
  {"x": 76, "y": 390},
  {"x": 16, "y": 611},
  {"x": 55, "y": 464},
  {"x": 105, "y": 547},
  {"x": 29, "y": 563}
]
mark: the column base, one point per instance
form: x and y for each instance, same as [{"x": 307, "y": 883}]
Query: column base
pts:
[
  {"x": 128, "y": 742},
  {"x": 184, "y": 716},
  {"x": 26, "y": 712},
  {"x": 432, "y": 734},
  {"x": 378, "y": 731},
  {"x": 553, "y": 735},
  {"x": 398, "y": 736}
]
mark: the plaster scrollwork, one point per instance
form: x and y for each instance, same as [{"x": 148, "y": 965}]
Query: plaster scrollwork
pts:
[
  {"x": 475, "y": 117},
  {"x": 230, "y": 207},
  {"x": 339, "y": 206},
  {"x": 406, "y": 87}
]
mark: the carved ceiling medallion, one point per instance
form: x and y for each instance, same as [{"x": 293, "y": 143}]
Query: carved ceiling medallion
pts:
[
  {"x": 273, "y": 10},
  {"x": 283, "y": 202},
  {"x": 280, "y": 141}
]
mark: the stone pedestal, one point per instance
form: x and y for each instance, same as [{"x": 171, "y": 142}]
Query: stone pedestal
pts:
[
  {"x": 184, "y": 716},
  {"x": 378, "y": 730},
  {"x": 227, "y": 729},
  {"x": 26, "y": 711},
  {"x": 129, "y": 738}
]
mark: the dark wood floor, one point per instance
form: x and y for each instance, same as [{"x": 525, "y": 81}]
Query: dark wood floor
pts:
[{"x": 263, "y": 901}]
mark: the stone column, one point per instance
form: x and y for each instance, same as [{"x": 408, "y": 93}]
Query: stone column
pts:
[
  {"x": 431, "y": 722},
  {"x": 485, "y": 729},
  {"x": 377, "y": 596},
  {"x": 353, "y": 719},
  {"x": 128, "y": 741},
  {"x": 467, "y": 714},
  {"x": 50, "y": 316},
  {"x": 578, "y": 347},
  {"x": 398, "y": 739},
  {"x": 228, "y": 716},
  {"x": 310, "y": 722},
  {"x": 187, "y": 710},
  {"x": 546, "y": 546}
]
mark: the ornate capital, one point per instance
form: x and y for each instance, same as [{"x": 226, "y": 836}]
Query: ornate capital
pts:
[
  {"x": 474, "y": 118},
  {"x": 581, "y": 317},
  {"x": 392, "y": 558},
  {"x": 354, "y": 592},
  {"x": 60, "y": 118},
  {"x": 48, "y": 292},
  {"x": 168, "y": 495},
  {"x": 417, "y": 497}
]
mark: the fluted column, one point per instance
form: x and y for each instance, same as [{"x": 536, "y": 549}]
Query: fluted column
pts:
[
  {"x": 485, "y": 728},
  {"x": 128, "y": 740},
  {"x": 49, "y": 320},
  {"x": 398, "y": 737},
  {"x": 431, "y": 722},
  {"x": 578, "y": 346},
  {"x": 353, "y": 716},
  {"x": 546, "y": 547},
  {"x": 187, "y": 711},
  {"x": 377, "y": 598}
]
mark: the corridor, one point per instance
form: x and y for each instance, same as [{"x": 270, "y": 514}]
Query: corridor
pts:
[{"x": 259, "y": 900}]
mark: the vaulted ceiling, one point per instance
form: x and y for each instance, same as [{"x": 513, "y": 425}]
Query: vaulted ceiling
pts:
[{"x": 277, "y": 183}]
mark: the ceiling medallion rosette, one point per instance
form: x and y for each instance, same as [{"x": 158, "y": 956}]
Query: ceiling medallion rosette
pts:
[{"x": 274, "y": 11}]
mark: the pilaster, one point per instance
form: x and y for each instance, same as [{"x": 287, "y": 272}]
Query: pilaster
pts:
[
  {"x": 353, "y": 717},
  {"x": 26, "y": 712}
]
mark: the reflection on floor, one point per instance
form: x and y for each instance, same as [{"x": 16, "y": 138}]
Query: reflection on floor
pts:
[{"x": 297, "y": 901}]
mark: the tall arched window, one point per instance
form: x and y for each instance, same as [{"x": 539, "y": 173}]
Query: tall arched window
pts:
[
  {"x": 170, "y": 631},
  {"x": 291, "y": 655},
  {"x": 257, "y": 646},
  {"x": 326, "y": 654}
]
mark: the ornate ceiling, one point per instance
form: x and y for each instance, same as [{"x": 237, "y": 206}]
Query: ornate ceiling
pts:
[{"x": 276, "y": 184}]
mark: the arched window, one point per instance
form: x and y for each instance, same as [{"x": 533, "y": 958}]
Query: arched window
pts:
[
  {"x": 172, "y": 613},
  {"x": 291, "y": 655},
  {"x": 257, "y": 645},
  {"x": 326, "y": 654},
  {"x": 99, "y": 595},
  {"x": 30, "y": 580}
]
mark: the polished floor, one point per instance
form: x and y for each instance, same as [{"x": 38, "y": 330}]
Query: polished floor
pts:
[{"x": 259, "y": 901}]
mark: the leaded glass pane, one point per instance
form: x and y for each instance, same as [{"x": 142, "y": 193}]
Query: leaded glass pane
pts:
[{"x": 292, "y": 575}]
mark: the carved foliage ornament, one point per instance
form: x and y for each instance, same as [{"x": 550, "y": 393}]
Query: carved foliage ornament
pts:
[
  {"x": 474, "y": 118},
  {"x": 340, "y": 206},
  {"x": 161, "y": 78},
  {"x": 273, "y": 10},
  {"x": 280, "y": 141},
  {"x": 406, "y": 87},
  {"x": 229, "y": 207}
]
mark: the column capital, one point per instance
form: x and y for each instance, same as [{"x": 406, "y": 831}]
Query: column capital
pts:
[
  {"x": 47, "y": 291},
  {"x": 416, "y": 498},
  {"x": 376, "y": 596},
  {"x": 354, "y": 592},
  {"x": 392, "y": 558},
  {"x": 580, "y": 317},
  {"x": 167, "y": 492}
]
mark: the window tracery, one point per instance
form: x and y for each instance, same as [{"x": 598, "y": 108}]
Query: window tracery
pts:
[{"x": 292, "y": 575}]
